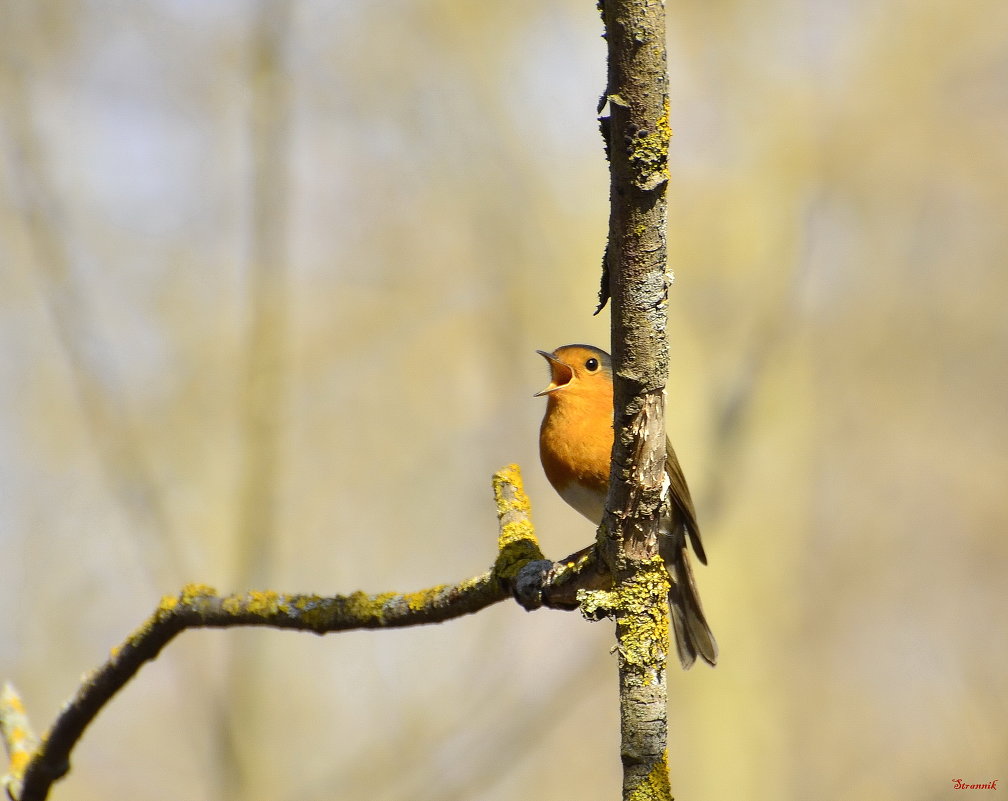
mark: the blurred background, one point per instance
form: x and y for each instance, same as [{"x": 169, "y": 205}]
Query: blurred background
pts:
[{"x": 272, "y": 276}]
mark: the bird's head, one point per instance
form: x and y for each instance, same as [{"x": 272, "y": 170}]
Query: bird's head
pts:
[{"x": 581, "y": 370}]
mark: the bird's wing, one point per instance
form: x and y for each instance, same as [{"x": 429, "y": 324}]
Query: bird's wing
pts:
[{"x": 683, "y": 501}]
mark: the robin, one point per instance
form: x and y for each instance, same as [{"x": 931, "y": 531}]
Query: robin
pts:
[{"x": 575, "y": 446}]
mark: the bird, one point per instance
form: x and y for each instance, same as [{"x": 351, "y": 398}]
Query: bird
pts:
[{"x": 575, "y": 448}]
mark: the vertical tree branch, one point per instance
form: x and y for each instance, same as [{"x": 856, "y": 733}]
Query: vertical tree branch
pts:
[{"x": 637, "y": 134}]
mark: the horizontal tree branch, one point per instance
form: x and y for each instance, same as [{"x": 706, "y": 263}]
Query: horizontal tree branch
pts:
[{"x": 519, "y": 570}]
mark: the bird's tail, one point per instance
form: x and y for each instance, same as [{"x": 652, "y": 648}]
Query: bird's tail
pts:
[{"x": 692, "y": 633}]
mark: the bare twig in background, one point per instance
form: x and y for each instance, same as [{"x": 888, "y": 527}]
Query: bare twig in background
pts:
[
  {"x": 519, "y": 568},
  {"x": 18, "y": 736}
]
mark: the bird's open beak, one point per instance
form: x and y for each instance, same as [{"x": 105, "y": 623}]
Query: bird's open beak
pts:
[{"x": 560, "y": 374}]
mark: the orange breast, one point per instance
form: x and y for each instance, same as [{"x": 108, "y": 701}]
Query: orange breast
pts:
[{"x": 575, "y": 446}]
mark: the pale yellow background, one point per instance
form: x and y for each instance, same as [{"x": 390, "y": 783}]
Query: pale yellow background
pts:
[{"x": 837, "y": 396}]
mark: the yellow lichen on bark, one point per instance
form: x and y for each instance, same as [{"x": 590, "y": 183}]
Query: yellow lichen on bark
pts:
[
  {"x": 14, "y": 703},
  {"x": 655, "y": 786},
  {"x": 514, "y": 556},
  {"x": 18, "y": 737},
  {"x": 312, "y": 609},
  {"x": 640, "y": 608},
  {"x": 510, "y": 476},
  {"x": 649, "y": 153},
  {"x": 642, "y": 622},
  {"x": 19, "y": 760},
  {"x": 422, "y": 599},
  {"x": 263, "y": 602},
  {"x": 195, "y": 592},
  {"x": 516, "y": 542},
  {"x": 364, "y": 607}
]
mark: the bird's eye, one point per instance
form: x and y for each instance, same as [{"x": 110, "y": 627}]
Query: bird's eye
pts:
[{"x": 591, "y": 365}]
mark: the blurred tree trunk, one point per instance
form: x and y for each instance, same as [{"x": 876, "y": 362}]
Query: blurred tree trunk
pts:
[{"x": 262, "y": 400}]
